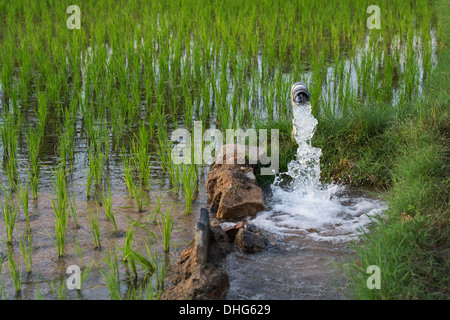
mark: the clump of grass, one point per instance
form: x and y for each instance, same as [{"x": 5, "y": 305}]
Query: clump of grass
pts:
[
  {"x": 189, "y": 180},
  {"x": 128, "y": 257},
  {"x": 39, "y": 296},
  {"x": 146, "y": 261},
  {"x": 168, "y": 165},
  {"x": 79, "y": 251},
  {"x": 26, "y": 247},
  {"x": 167, "y": 228},
  {"x": 10, "y": 140},
  {"x": 73, "y": 211},
  {"x": 95, "y": 229},
  {"x": 95, "y": 169},
  {"x": 34, "y": 140},
  {"x": 60, "y": 208},
  {"x": 140, "y": 150},
  {"x": 9, "y": 216},
  {"x": 111, "y": 277},
  {"x": 24, "y": 200},
  {"x": 128, "y": 172},
  {"x": 107, "y": 203},
  {"x": 139, "y": 195},
  {"x": 14, "y": 272},
  {"x": 60, "y": 292}
]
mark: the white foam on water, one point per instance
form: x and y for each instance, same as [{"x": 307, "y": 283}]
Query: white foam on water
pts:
[{"x": 302, "y": 205}]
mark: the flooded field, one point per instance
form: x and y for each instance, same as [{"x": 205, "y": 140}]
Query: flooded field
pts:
[{"x": 87, "y": 116}]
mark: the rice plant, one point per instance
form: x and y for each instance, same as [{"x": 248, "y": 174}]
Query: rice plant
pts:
[
  {"x": 128, "y": 258},
  {"x": 95, "y": 229},
  {"x": 24, "y": 200},
  {"x": 189, "y": 180},
  {"x": 146, "y": 259},
  {"x": 111, "y": 276},
  {"x": 39, "y": 296},
  {"x": 86, "y": 273},
  {"x": 14, "y": 272},
  {"x": 73, "y": 211},
  {"x": 139, "y": 148},
  {"x": 9, "y": 216},
  {"x": 60, "y": 208},
  {"x": 26, "y": 247},
  {"x": 79, "y": 251},
  {"x": 107, "y": 204},
  {"x": 60, "y": 291},
  {"x": 167, "y": 228},
  {"x": 10, "y": 140},
  {"x": 128, "y": 172},
  {"x": 139, "y": 195}
]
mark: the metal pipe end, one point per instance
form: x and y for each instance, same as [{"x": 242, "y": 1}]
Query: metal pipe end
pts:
[{"x": 300, "y": 93}]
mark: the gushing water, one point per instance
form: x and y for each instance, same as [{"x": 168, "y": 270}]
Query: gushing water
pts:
[{"x": 303, "y": 205}]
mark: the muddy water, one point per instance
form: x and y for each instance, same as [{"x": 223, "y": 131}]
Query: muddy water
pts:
[{"x": 297, "y": 269}]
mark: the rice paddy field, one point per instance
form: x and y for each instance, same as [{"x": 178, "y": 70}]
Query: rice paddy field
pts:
[{"x": 86, "y": 117}]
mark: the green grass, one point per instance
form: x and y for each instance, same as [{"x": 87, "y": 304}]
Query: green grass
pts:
[
  {"x": 166, "y": 228},
  {"x": 14, "y": 272},
  {"x": 410, "y": 244},
  {"x": 111, "y": 277},
  {"x": 9, "y": 215},
  {"x": 95, "y": 228},
  {"x": 107, "y": 204},
  {"x": 26, "y": 247},
  {"x": 61, "y": 209}
]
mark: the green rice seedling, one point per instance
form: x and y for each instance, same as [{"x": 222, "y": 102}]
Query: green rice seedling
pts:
[
  {"x": 159, "y": 270},
  {"x": 10, "y": 140},
  {"x": 189, "y": 180},
  {"x": 2, "y": 287},
  {"x": 151, "y": 293},
  {"x": 111, "y": 277},
  {"x": 140, "y": 150},
  {"x": 33, "y": 176},
  {"x": 60, "y": 292},
  {"x": 107, "y": 204},
  {"x": 89, "y": 178},
  {"x": 60, "y": 208},
  {"x": 24, "y": 200},
  {"x": 11, "y": 173},
  {"x": 95, "y": 229},
  {"x": 167, "y": 228},
  {"x": 9, "y": 216},
  {"x": 169, "y": 167},
  {"x": 14, "y": 272},
  {"x": 95, "y": 165},
  {"x": 128, "y": 173},
  {"x": 39, "y": 296},
  {"x": 73, "y": 211},
  {"x": 9, "y": 135},
  {"x": 159, "y": 203},
  {"x": 79, "y": 251},
  {"x": 26, "y": 247},
  {"x": 86, "y": 273},
  {"x": 146, "y": 261},
  {"x": 128, "y": 258},
  {"x": 138, "y": 193},
  {"x": 133, "y": 293}
]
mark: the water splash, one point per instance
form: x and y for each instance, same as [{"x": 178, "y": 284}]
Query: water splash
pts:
[{"x": 302, "y": 205}]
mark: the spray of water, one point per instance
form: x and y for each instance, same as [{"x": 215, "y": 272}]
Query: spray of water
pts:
[{"x": 302, "y": 205}]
